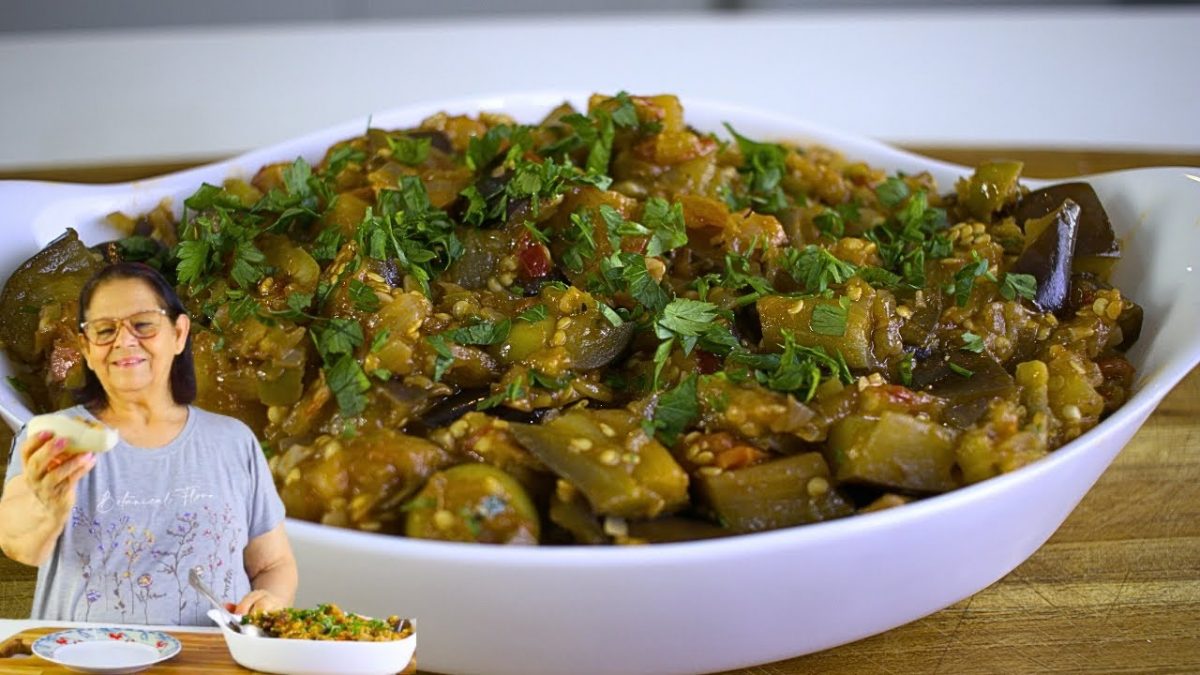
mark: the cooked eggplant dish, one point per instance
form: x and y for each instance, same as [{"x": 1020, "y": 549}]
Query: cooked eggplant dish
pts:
[{"x": 609, "y": 327}]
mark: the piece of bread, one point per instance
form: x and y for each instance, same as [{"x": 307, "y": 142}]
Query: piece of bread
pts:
[{"x": 82, "y": 435}]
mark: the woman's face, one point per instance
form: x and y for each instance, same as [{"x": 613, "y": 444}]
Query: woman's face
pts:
[{"x": 129, "y": 366}]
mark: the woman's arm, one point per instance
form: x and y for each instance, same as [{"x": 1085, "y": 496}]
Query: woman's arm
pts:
[
  {"x": 36, "y": 503},
  {"x": 272, "y": 571}
]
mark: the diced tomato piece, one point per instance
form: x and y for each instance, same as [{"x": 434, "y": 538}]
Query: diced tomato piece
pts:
[
  {"x": 707, "y": 362},
  {"x": 533, "y": 258}
]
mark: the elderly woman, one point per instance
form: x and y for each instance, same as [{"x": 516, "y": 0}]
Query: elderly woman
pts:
[{"x": 114, "y": 536}]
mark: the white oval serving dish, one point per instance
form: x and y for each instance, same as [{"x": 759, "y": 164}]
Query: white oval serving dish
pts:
[
  {"x": 720, "y": 604},
  {"x": 316, "y": 657}
]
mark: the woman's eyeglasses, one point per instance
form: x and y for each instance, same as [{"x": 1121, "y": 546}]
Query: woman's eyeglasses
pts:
[{"x": 141, "y": 325}]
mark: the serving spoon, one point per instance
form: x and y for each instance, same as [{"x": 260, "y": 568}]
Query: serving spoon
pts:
[{"x": 233, "y": 623}]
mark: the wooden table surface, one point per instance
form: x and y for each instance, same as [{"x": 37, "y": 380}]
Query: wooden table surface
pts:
[{"x": 1116, "y": 589}]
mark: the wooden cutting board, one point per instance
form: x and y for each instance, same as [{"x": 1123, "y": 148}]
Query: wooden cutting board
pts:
[{"x": 202, "y": 653}]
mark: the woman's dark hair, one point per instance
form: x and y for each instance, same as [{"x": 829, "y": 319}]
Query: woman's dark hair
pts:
[{"x": 183, "y": 368}]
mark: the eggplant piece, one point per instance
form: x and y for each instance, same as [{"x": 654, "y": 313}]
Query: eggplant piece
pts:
[
  {"x": 1096, "y": 245},
  {"x": 784, "y": 492},
  {"x": 966, "y": 398},
  {"x": 896, "y": 451},
  {"x": 673, "y": 529},
  {"x": 606, "y": 456},
  {"x": 54, "y": 274},
  {"x": 480, "y": 260},
  {"x": 357, "y": 482},
  {"x": 473, "y": 503},
  {"x": 990, "y": 188},
  {"x": 450, "y": 408},
  {"x": 600, "y": 347},
  {"x": 1130, "y": 322},
  {"x": 1049, "y": 257},
  {"x": 570, "y": 511}
]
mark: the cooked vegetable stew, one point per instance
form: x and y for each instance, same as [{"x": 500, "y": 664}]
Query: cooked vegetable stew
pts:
[
  {"x": 613, "y": 328},
  {"x": 327, "y": 622}
]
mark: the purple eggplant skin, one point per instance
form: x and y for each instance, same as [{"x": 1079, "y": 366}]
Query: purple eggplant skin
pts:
[
  {"x": 598, "y": 349},
  {"x": 1049, "y": 257},
  {"x": 1096, "y": 244}
]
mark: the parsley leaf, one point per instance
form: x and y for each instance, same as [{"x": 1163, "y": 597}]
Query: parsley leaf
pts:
[
  {"x": 815, "y": 268},
  {"x": 482, "y": 150},
  {"x": 1018, "y": 285},
  {"x": 959, "y": 370},
  {"x": 482, "y": 333},
  {"x": 677, "y": 409},
  {"x": 348, "y": 383},
  {"x": 892, "y": 191},
  {"x": 533, "y": 314},
  {"x": 512, "y": 391},
  {"x": 828, "y": 319},
  {"x": 193, "y": 261},
  {"x": 642, "y": 286},
  {"x": 326, "y": 245},
  {"x": 409, "y": 150},
  {"x": 581, "y": 241},
  {"x": 445, "y": 357},
  {"x": 338, "y": 336},
  {"x": 906, "y": 369},
  {"x": 798, "y": 370},
  {"x": 363, "y": 297},
  {"x": 972, "y": 343},
  {"x": 665, "y": 222},
  {"x": 964, "y": 278},
  {"x": 763, "y": 165},
  {"x": 408, "y": 229},
  {"x": 686, "y": 318}
]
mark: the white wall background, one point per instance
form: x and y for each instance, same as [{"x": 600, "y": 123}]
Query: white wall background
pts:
[{"x": 1110, "y": 77}]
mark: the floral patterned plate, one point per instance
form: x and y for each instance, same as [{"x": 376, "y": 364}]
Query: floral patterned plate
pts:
[{"x": 106, "y": 650}]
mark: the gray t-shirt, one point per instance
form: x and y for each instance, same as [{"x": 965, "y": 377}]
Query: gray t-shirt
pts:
[{"x": 144, "y": 517}]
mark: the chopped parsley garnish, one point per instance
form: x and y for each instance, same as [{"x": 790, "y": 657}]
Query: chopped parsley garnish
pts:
[
  {"x": 832, "y": 221},
  {"x": 830, "y": 319},
  {"x": 1018, "y": 285},
  {"x": 906, "y": 369},
  {"x": 763, "y": 167},
  {"x": 797, "y": 370},
  {"x": 408, "y": 229},
  {"x": 892, "y": 191},
  {"x": 533, "y": 314},
  {"x": 815, "y": 268},
  {"x": 348, "y": 384},
  {"x": 972, "y": 343},
  {"x": 964, "y": 278},
  {"x": 687, "y": 319},
  {"x": 337, "y": 336},
  {"x": 482, "y": 333},
  {"x": 326, "y": 245},
  {"x": 444, "y": 356},
  {"x": 581, "y": 241},
  {"x": 959, "y": 370},
  {"x": 409, "y": 150},
  {"x": 482, "y": 150},
  {"x": 676, "y": 410},
  {"x": 363, "y": 297},
  {"x": 513, "y": 391},
  {"x": 910, "y": 237}
]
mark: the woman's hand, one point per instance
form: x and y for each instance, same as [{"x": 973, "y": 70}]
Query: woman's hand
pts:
[
  {"x": 257, "y": 600},
  {"x": 52, "y": 473}
]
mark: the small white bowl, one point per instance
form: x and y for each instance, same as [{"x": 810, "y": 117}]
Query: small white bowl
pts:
[
  {"x": 707, "y": 605},
  {"x": 317, "y": 657}
]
